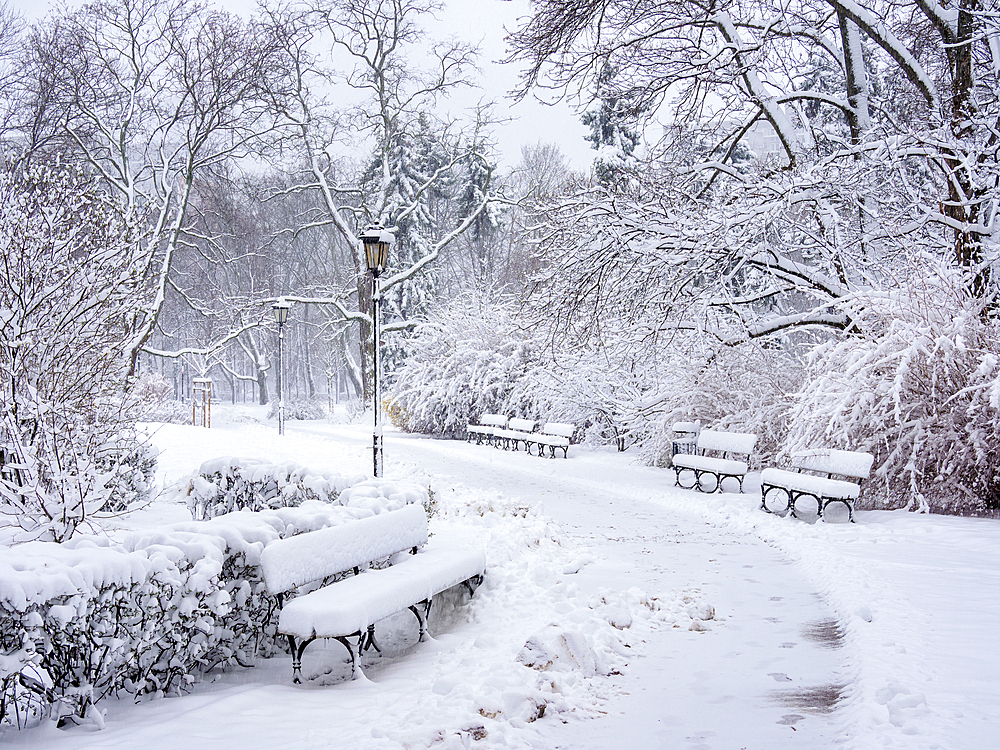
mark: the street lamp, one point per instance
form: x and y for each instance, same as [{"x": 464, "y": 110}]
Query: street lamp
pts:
[
  {"x": 376, "y": 241},
  {"x": 280, "y": 309}
]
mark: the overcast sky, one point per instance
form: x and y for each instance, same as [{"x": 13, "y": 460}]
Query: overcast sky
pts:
[{"x": 481, "y": 22}]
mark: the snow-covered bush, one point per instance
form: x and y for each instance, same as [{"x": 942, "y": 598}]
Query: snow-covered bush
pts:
[
  {"x": 90, "y": 617},
  {"x": 71, "y": 289},
  {"x": 299, "y": 409},
  {"x": 153, "y": 396},
  {"x": 226, "y": 484},
  {"x": 468, "y": 359},
  {"x": 919, "y": 387}
]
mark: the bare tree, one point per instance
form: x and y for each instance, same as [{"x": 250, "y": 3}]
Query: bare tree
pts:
[
  {"x": 379, "y": 39},
  {"x": 153, "y": 95}
]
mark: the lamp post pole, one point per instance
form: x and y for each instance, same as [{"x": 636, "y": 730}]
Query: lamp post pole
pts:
[
  {"x": 376, "y": 241},
  {"x": 376, "y": 380},
  {"x": 280, "y": 309}
]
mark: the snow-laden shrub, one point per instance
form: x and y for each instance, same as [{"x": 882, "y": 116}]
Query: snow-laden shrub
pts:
[
  {"x": 301, "y": 409},
  {"x": 918, "y": 387},
  {"x": 71, "y": 289},
  {"x": 90, "y": 617},
  {"x": 225, "y": 484},
  {"x": 467, "y": 360},
  {"x": 128, "y": 459},
  {"x": 153, "y": 397}
]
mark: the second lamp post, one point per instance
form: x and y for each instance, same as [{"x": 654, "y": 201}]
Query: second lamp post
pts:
[
  {"x": 376, "y": 241},
  {"x": 280, "y": 309}
]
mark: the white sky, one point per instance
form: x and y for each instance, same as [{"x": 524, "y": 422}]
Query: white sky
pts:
[{"x": 480, "y": 22}]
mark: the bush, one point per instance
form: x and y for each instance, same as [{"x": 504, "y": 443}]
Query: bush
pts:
[
  {"x": 299, "y": 409},
  {"x": 469, "y": 359},
  {"x": 226, "y": 484},
  {"x": 918, "y": 387}
]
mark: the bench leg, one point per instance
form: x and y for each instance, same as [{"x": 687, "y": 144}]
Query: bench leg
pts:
[
  {"x": 796, "y": 496},
  {"x": 297, "y": 652},
  {"x": 368, "y": 641},
  {"x": 701, "y": 486},
  {"x": 765, "y": 489},
  {"x": 677, "y": 481},
  {"x": 849, "y": 504},
  {"x": 422, "y": 617},
  {"x": 355, "y": 654}
]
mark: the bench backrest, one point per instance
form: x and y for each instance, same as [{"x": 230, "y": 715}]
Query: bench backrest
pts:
[
  {"x": 287, "y": 563},
  {"x": 727, "y": 442},
  {"x": 832, "y": 461},
  {"x": 522, "y": 425},
  {"x": 493, "y": 420},
  {"x": 559, "y": 428}
]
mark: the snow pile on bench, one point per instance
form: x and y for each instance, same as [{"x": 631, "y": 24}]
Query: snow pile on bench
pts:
[
  {"x": 352, "y": 604},
  {"x": 291, "y": 562}
]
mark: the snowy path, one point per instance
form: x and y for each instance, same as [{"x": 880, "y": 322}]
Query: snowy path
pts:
[
  {"x": 761, "y": 676},
  {"x": 874, "y": 635}
]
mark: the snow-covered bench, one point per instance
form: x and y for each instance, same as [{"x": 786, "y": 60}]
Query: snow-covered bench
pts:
[
  {"x": 486, "y": 429},
  {"x": 552, "y": 435},
  {"x": 729, "y": 445},
  {"x": 518, "y": 431},
  {"x": 816, "y": 475},
  {"x": 350, "y": 607}
]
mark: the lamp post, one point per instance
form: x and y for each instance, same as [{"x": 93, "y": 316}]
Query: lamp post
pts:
[
  {"x": 376, "y": 241},
  {"x": 280, "y": 309}
]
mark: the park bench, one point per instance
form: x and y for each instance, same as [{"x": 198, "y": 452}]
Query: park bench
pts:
[
  {"x": 360, "y": 594},
  {"x": 552, "y": 435},
  {"x": 703, "y": 462},
  {"x": 518, "y": 431},
  {"x": 486, "y": 429},
  {"x": 826, "y": 475}
]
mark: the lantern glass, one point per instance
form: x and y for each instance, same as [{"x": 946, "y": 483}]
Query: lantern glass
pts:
[
  {"x": 280, "y": 311},
  {"x": 376, "y": 241}
]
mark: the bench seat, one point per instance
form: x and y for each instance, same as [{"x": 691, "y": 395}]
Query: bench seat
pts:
[
  {"x": 350, "y": 605},
  {"x": 724, "y": 466},
  {"x": 810, "y": 484},
  {"x": 826, "y": 475}
]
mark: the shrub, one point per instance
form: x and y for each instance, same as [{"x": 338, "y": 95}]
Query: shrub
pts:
[
  {"x": 226, "y": 484},
  {"x": 919, "y": 387},
  {"x": 299, "y": 409},
  {"x": 468, "y": 359}
]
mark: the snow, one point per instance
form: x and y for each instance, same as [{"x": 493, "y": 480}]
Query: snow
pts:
[
  {"x": 723, "y": 466},
  {"x": 301, "y": 559},
  {"x": 559, "y": 429},
  {"x": 636, "y": 613},
  {"x": 831, "y": 461},
  {"x": 730, "y": 442}
]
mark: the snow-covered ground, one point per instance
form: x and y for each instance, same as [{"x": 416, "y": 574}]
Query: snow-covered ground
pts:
[{"x": 618, "y": 612}]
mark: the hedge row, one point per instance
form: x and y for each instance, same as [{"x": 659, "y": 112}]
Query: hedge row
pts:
[{"x": 151, "y": 612}]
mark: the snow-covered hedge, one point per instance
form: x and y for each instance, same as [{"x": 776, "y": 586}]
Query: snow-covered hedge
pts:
[
  {"x": 299, "y": 409},
  {"x": 469, "y": 359},
  {"x": 149, "y": 614},
  {"x": 223, "y": 485},
  {"x": 918, "y": 387}
]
